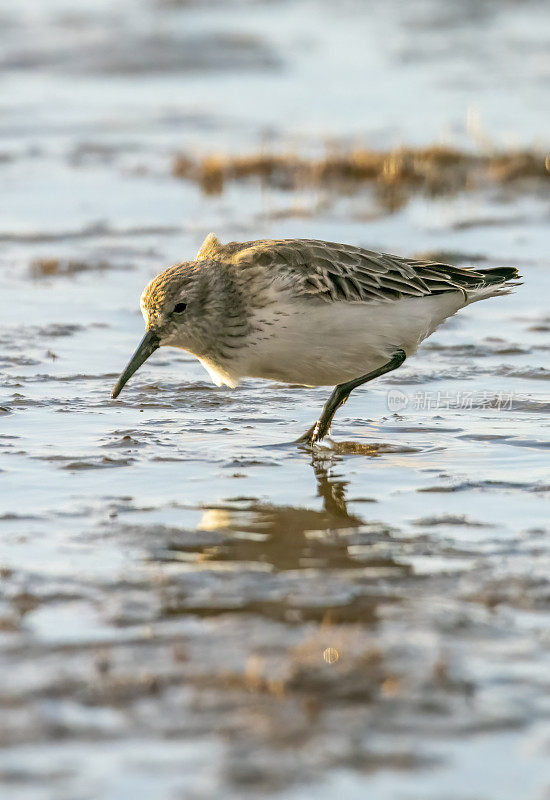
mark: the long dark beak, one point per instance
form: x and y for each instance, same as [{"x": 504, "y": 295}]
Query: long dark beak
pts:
[{"x": 148, "y": 345}]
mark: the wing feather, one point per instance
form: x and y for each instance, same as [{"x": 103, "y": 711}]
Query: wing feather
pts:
[{"x": 332, "y": 271}]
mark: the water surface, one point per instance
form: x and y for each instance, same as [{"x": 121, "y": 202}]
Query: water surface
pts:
[{"x": 191, "y": 605}]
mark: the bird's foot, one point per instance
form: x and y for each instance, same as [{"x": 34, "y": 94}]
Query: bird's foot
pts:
[
  {"x": 313, "y": 435},
  {"x": 307, "y": 437}
]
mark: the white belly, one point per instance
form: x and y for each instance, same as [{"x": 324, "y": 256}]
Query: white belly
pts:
[{"x": 317, "y": 344}]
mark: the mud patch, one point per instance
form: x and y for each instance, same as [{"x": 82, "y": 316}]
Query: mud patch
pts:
[
  {"x": 435, "y": 170},
  {"x": 49, "y": 267},
  {"x": 148, "y": 53}
]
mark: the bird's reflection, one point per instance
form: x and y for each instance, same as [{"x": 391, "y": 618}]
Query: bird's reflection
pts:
[
  {"x": 333, "y": 492},
  {"x": 284, "y": 537},
  {"x": 333, "y": 550}
]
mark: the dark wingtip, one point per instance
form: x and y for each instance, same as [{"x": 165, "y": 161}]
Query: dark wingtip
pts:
[{"x": 500, "y": 274}]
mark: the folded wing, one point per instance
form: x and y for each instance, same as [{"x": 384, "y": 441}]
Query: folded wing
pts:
[{"x": 336, "y": 272}]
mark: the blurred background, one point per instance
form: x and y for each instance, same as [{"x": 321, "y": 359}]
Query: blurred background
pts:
[{"x": 191, "y": 606}]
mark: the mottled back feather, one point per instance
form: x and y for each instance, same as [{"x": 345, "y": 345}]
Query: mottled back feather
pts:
[{"x": 332, "y": 271}]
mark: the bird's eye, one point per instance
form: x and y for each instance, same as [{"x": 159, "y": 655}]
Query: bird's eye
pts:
[{"x": 180, "y": 307}]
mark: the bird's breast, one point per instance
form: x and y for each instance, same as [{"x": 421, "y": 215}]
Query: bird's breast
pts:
[
  {"x": 318, "y": 343},
  {"x": 314, "y": 343}
]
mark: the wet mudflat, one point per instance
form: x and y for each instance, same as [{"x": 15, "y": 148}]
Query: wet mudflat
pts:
[{"x": 191, "y": 606}]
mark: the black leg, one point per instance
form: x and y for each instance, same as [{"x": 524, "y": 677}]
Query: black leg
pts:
[{"x": 341, "y": 393}]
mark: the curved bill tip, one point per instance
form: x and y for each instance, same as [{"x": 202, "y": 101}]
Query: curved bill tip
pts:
[{"x": 145, "y": 348}]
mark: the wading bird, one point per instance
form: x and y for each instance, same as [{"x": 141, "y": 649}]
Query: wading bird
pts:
[{"x": 304, "y": 311}]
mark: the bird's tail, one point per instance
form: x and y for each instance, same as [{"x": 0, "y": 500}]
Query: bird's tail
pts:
[
  {"x": 494, "y": 275},
  {"x": 496, "y": 281}
]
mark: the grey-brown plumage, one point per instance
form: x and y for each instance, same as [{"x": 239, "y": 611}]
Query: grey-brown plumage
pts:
[
  {"x": 304, "y": 311},
  {"x": 334, "y": 271}
]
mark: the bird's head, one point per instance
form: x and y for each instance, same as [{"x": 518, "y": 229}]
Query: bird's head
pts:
[{"x": 179, "y": 308}]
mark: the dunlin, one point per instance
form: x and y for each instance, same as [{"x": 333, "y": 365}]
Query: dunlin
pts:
[{"x": 303, "y": 311}]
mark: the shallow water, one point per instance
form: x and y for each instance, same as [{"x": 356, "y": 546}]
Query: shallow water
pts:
[{"x": 191, "y": 605}]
